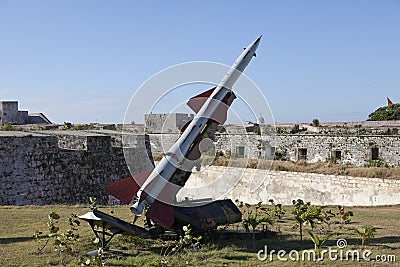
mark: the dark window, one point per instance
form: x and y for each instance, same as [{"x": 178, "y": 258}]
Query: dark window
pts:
[
  {"x": 301, "y": 153},
  {"x": 374, "y": 153},
  {"x": 337, "y": 154},
  {"x": 240, "y": 151}
]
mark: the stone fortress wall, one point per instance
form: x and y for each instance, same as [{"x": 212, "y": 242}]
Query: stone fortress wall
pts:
[
  {"x": 355, "y": 150},
  {"x": 350, "y": 143},
  {"x": 55, "y": 167},
  {"x": 40, "y": 167},
  {"x": 355, "y": 144}
]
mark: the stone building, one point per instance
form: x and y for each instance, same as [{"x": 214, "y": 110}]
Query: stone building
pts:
[
  {"x": 166, "y": 123},
  {"x": 347, "y": 148},
  {"x": 356, "y": 143},
  {"x": 9, "y": 113}
]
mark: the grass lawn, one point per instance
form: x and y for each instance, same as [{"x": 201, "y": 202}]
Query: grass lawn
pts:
[{"x": 18, "y": 248}]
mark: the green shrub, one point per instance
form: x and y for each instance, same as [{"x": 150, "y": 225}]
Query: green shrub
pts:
[{"x": 386, "y": 113}]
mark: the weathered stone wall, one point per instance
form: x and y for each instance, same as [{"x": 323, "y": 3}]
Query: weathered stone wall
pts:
[
  {"x": 160, "y": 143},
  {"x": 131, "y": 128},
  {"x": 23, "y": 117},
  {"x": 34, "y": 170},
  {"x": 76, "y": 139},
  {"x": 9, "y": 111},
  {"x": 36, "y": 118},
  {"x": 254, "y": 185},
  {"x": 166, "y": 123},
  {"x": 354, "y": 149},
  {"x": 344, "y": 144}
]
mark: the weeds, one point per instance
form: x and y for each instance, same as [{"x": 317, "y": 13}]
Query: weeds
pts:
[
  {"x": 186, "y": 243},
  {"x": 62, "y": 242}
]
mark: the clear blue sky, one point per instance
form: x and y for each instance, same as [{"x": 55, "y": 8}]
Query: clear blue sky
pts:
[{"x": 81, "y": 61}]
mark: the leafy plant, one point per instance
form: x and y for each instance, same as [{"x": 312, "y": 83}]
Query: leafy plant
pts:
[
  {"x": 375, "y": 163},
  {"x": 295, "y": 129},
  {"x": 281, "y": 155},
  {"x": 62, "y": 242},
  {"x": 365, "y": 232},
  {"x": 344, "y": 215},
  {"x": 318, "y": 243},
  {"x": 92, "y": 203},
  {"x": 9, "y": 127},
  {"x": 95, "y": 260},
  {"x": 305, "y": 213},
  {"x": 277, "y": 209},
  {"x": 327, "y": 216},
  {"x": 332, "y": 160},
  {"x": 187, "y": 242},
  {"x": 253, "y": 219}
]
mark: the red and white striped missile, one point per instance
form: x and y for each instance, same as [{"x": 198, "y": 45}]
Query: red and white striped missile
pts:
[{"x": 156, "y": 190}]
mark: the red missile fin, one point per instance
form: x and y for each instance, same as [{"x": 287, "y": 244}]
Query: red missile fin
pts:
[
  {"x": 220, "y": 115},
  {"x": 162, "y": 210},
  {"x": 126, "y": 189},
  {"x": 196, "y": 102},
  {"x": 161, "y": 213}
]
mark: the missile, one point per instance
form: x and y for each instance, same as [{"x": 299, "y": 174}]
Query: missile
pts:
[{"x": 156, "y": 189}]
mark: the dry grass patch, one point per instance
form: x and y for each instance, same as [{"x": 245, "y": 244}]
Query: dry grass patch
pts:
[{"x": 17, "y": 248}]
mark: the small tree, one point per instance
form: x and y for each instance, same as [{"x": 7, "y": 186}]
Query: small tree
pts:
[
  {"x": 385, "y": 113},
  {"x": 254, "y": 218},
  {"x": 327, "y": 215},
  {"x": 295, "y": 129},
  {"x": 63, "y": 242},
  {"x": 365, "y": 232},
  {"x": 315, "y": 122},
  {"x": 318, "y": 243},
  {"x": 344, "y": 216},
  {"x": 277, "y": 210},
  {"x": 305, "y": 213}
]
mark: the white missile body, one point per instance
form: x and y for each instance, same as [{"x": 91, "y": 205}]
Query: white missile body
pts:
[{"x": 177, "y": 154}]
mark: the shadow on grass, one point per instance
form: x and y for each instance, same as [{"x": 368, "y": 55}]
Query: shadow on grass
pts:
[
  {"x": 236, "y": 257},
  {"x": 245, "y": 242},
  {"x": 9, "y": 240}
]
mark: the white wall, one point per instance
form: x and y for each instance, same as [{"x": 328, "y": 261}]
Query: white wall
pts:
[{"x": 253, "y": 185}]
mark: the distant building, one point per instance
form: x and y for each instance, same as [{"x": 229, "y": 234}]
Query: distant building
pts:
[
  {"x": 166, "y": 123},
  {"x": 9, "y": 113},
  {"x": 260, "y": 119}
]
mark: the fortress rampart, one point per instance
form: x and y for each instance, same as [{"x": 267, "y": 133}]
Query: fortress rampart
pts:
[{"x": 67, "y": 168}]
